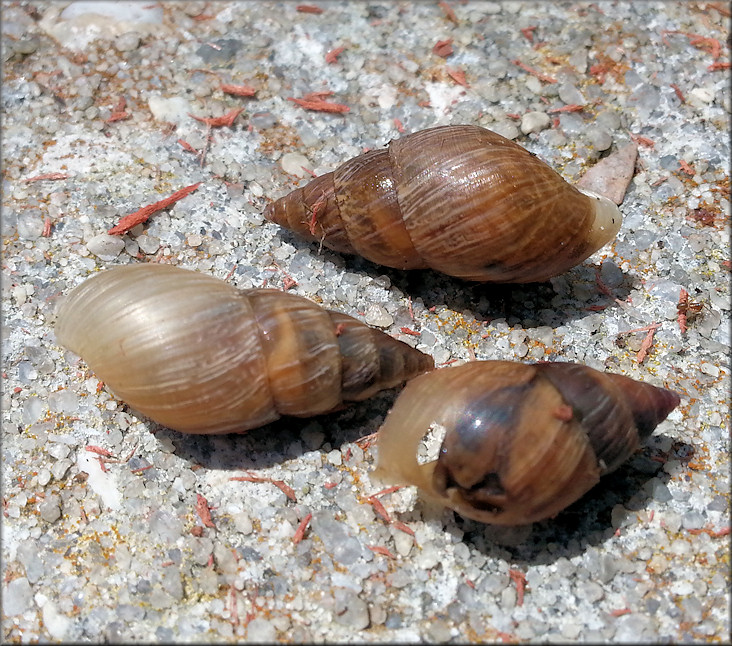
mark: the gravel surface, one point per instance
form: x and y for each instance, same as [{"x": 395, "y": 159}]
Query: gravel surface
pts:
[{"x": 155, "y": 542}]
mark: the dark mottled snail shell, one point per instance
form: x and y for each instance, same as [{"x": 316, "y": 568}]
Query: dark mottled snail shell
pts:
[
  {"x": 462, "y": 200},
  {"x": 522, "y": 442},
  {"x": 200, "y": 356}
]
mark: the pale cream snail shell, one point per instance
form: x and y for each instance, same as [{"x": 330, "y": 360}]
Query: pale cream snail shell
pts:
[{"x": 200, "y": 356}]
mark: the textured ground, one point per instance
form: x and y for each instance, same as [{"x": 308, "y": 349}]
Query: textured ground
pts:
[{"x": 101, "y": 105}]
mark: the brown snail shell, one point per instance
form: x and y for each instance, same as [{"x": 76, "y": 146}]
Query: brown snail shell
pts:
[
  {"x": 522, "y": 442},
  {"x": 462, "y": 200},
  {"x": 200, "y": 356}
]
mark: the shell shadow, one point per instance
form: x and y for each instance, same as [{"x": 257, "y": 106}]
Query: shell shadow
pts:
[
  {"x": 587, "y": 522},
  {"x": 286, "y": 439},
  {"x": 528, "y": 304}
]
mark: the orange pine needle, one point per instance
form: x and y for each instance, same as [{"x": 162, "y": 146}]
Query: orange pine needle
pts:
[
  {"x": 38, "y": 178},
  {"x": 333, "y": 54},
  {"x": 379, "y": 509},
  {"x": 520, "y": 580},
  {"x": 138, "y": 217},
  {"x": 381, "y": 550},
  {"x": 573, "y": 107},
  {"x": 542, "y": 77},
  {"x": 448, "y": 11},
  {"x": 204, "y": 511},
  {"x": 319, "y": 105},
  {"x": 300, "y": 531},
  {"x": 238, "y": 90},
  {"x": 218, "y": 122},
  {"x": 443, "y": 48},
  {"x": 458, "y": 76},
  {"x": 402, "y": 527}
]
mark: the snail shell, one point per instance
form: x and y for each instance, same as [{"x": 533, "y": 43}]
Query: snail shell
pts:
[
  {"x": 458, "y": 199},
  {"x": 522, "y": 442},
  {"x": 200, "y": 356}
]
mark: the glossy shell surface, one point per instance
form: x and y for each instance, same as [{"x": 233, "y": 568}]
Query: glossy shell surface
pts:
[
  {"x": 196, "y": 354},
  {"x": 521, "y": 442},
  {"x": 461, "y": 200}
]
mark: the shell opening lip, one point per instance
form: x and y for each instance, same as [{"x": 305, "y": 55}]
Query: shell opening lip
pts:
[{"x": 608, "y": 219}]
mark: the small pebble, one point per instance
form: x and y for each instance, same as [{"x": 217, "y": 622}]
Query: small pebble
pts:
[
  {"x": 295, "y": 164},
  {"x": 148, "y": 244},
  {"x": 127, "y": 42},
  {"x": 377, "y": 316},
  {"x": 18, "y": 597},
  {"x": 534, "y": 122},
  {"x": 105, "y": 247},
  {"x": 261, "y": 631}
]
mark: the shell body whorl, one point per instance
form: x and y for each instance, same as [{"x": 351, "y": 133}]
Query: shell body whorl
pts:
[
  {"x": 461, "y": 200},
  {"x": 522, "y": 442},
  {"x": 200, "y": 356}
]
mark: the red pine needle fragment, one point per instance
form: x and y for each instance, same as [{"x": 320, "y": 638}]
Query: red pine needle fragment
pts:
[
  {"x": 138, "y": 217},
  {"x": 386, "y": 491},
  {"x": 99, "y": 451},
  {"x": 333, "y": 54},
  {"x": 678, "y": 91},
  {"x": 280, "y": 484},
  {"x": 528, "y": 33},
  {"x": 46, "y": 233},
  {"x": 520, "y": 580},
  {"x": 719, "y": 66},
  {"x": 226, "y": 120},
  {"x": 308, "y": 8},
  {"x": 330, "y": 485},
  {"x": 117, "y": 116},
  {"x": 686, "y": 168},
  {"x": 300, "y": 531},
  {"x": 238, "y": 90},
  {"x": 647, "y": 343},
  {"x": 38, "y": 178},
  {"x": 542, "y": 77},
  {"x": 643, "y": 141},
  {"x": 398, "y": 125},
  {"x": 118, "y": 111},
  {"x": 313, "y": 101},
  {"x": 187, "y": 147},
  {"x": 284, "y": 488},
  {"x": 683, "y": 308},
  {"x": 448, "y": 11},
  {"x": 381, "y": 550},
  {"x": 443, "y": 48},
  {"x": 409, "y": 331},
  {"x": 203, "y": 511},
  {"x": 620, "y": 612},
  {"x": 573, "y": 107},
  {"x": 402, "y": 527},
  {"x": 718, "y": 7},
  {"x": 316, "y": 209},
  {"x": 458, "y": 76},
  {"x": 379, "y": 508}
]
